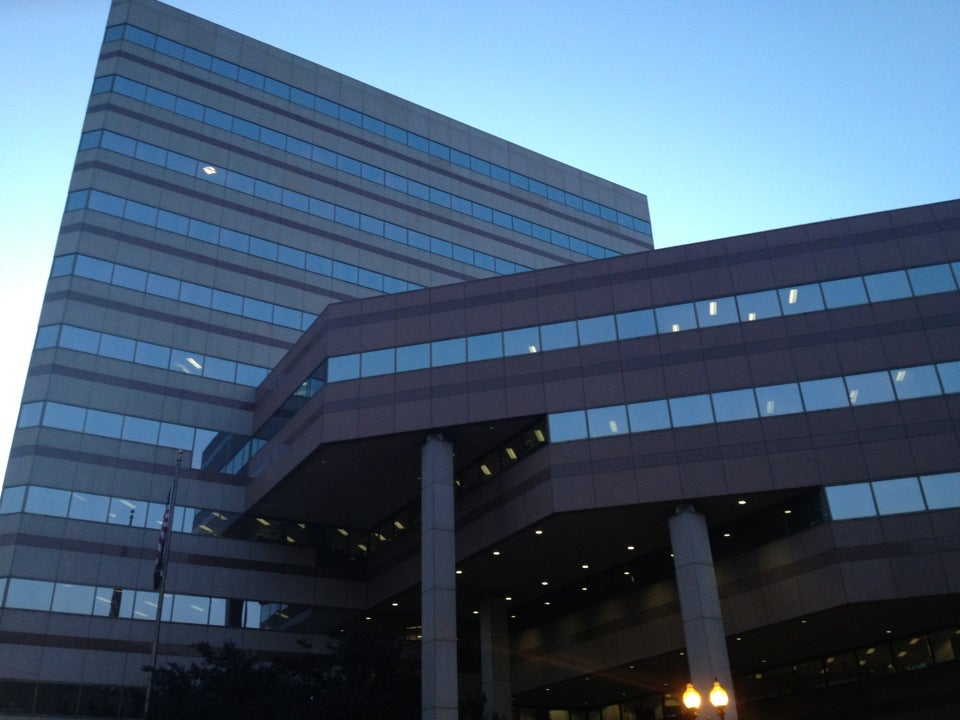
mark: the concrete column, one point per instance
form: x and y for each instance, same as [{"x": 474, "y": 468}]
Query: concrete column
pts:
[
  {"x": 438, "y": 602},
  {"x": 700, "y": 608},
  {"x": 495, "y": 660}
]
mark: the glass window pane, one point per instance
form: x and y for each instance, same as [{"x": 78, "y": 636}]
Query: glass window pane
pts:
[
  {"x": 63, "y": 417},
  {"x": 413, "y": 357},
  {"x": 597, "y": 330},
  {"x": 73, "y": 599},
  {"x": 144, "y": 606},
  {"x": 869, "y": 388},
  {"x": 127, "y": 512},
  {"x": 192, "y": 609},
  {"x": 46, "y": 337},
  {"x": 721, "y": 311},
  {"x": 887, "y": 286},
  {"x": 949, "y": 373},
  {"x": 691, "y": 410},
  {"x": 448, "y": 352},
  {"x": 140, "y": 430},
  {"x": 129, "y": 277},
  {"x": 117, "y": 347},
  {"x": 11, "y": 501},
  {"x": 187, "y": 362},
  {"x": 106, "y": 602},
  {"x": 758, "y": 305},
  {"x": 824, "y": 394},
  {"x": 558, "y": 335},
  {"x": 219, "y": 369},
  {"x": 521, "y": 341},
  {"x": 675, "y": 318},
  {"x": 941, "y": 491},
  {"x": 344, "y": 367},
  {"x": 931, "y": 279},
  {"x": 29, "y": 594},
  {"x": 485, "y": 347},
  {"x": 646, "y": 416},
  {"x": 47, "y": 501},
  {"x": 898, "y": 496},
  {"x": 30, "y": 415},
  {"x": 377, "y": 362},
  {"x": 607, "y": 421},
  {"x": 801, "y": 299},
  {"x": 89, "y": 507},
  {"x": 850, "y": 501},
  {"x": 568, "y": 426},
  {"x": 734, "y": 405},
  {"x": 915, "y": 382},
  {"x": 154, "y": 355},
  {"x": 76, "y": 338},
  {"x": 779, "y": 400},
  {"x": 844, "y": 293},
  {"x": 634, "y": 324}
]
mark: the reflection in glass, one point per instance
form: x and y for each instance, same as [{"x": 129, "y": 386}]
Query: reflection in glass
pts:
[
  {"x": 638, "y": 323},
  {"x": 645, "y": 416},
  {"x": 844, "y": 293},
  {"x": 607, "y": 421},
  {"x": 901, "y": 495},
  {"x": 29, "y": 594},
  {"x": 448, "y": 352},
  {"x": 73, "y": 599},
  {"x": 597, "y": 330},
  {"x": 89, "y": 507},
  {"x": 47, "y": 501},
  {"x": 377, "y": 362},
  {"x": 675, "y": 318},
  {"x": 931, "y": 279},
  {"x": 850, "y": 501},
  {"x": 521, "y": 341},
  {"x": 869, "y": 388},
  {"x": 11, "y": 500},
  {"x": 949, "y": 373},
  {"x": 344, "y": 367},
  {"x": 779, "y": 400},
  {"x": 758, "y": 305},
  {"x": 192, "y": 609},
  {"x": 941, "y": 491},
  {"x": 568, "y": 426},
  {"x": 915, "y": 382},
  {"x": 557, "y": 336},
  {"x": 824, "y": 394},
  {"x": 413, "y": 357},
  {"x": 734, "y": 405},
  {"x": 721, "y": 311},
  {"x": 691, "y": 410},
  {"x": 484, "y": 347},
  {"x": 801, "y": 299},
  {"x": 887, "y": 286}
]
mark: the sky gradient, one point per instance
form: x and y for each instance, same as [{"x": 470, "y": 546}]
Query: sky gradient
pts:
[{"x": 732, "y": 117}]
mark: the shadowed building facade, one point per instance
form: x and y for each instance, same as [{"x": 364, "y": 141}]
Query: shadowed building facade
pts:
[{"x": 432, "y": 381}]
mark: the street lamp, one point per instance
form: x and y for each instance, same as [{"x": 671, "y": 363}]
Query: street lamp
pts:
[{"x": 718, "y": 698}]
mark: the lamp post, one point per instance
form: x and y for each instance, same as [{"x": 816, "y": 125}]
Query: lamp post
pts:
[{"x": 718, "y": 698}]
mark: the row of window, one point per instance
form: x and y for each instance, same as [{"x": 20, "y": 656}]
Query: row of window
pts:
[
  {"x": 174, "y": 289},
  {"x": 749, "y": 403},
  {"x": 369, "y": 123},
  {"x": 185, "y": 226},
  {"x": 117, "y": 426},
  {"x": 144, "y": 353},
  {"x": 25, "y": 697},
  {"x": 61, "y": 597},
  {"x": 338, "y": 161},
  {"x": 891, "y": 497},
  {"x": 748, "y": 307},
  {"x": 337, "y": 214}
]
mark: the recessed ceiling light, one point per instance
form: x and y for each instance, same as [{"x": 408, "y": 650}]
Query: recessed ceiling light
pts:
[
  {"x": 546, "y": 602},
  {"x": 741, "y": 502},
  {"x": 508, "y": 598},
  {"x": 726, "y": 534},
  {"x": 511, "y": 453},
  {"x": 476, "y": 612},
  {"x": 538, "y": 532},
  {"x": 630, "y": 547},
  {"x": 544, "y": 582},
  {"x": 459, "y": 572},
  {"x": 787, "y": 512},
  {"x": 583, "y": 589},
  {"x": 496, "y": 553},
  {"x": 585, "y": 566}
]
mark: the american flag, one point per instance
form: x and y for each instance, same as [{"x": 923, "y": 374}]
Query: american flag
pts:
[{"x": 158, "y": 567}]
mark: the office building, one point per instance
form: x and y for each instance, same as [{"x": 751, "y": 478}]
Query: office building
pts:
[{"x": 428, "y": 380}]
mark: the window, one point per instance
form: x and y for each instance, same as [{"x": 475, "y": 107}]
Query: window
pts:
[
  {"x": 898, "y": 496},
  {"x": 779, "y": 400},
  {"x": 607, "y": 421},
  {"x": 646, "y": 416},
  {"x": 568, "y": 426},
  {"x": 869, "y": 388},
  {"x": 675, "y": 318},
  {"x": 824, "y": 394},
  {"x": 734, "y": 405},
  {"x": 691, "y": 410},
  {"x": 758, "y": 305},
  {"x": 940, "y": 491},
  {"x": 850, "y": 501}
]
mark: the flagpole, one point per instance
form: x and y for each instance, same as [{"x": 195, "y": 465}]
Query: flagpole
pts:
[{"x": 162, "y": 556}]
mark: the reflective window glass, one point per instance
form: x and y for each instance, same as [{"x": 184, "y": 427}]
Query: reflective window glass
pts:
[
  {"x": 557, "y": 336},
  {"x": 11, "y": 501},
  {"x": 691, "y": 410},
  {"x": 413, "y": 357},
  {"x": 758, "y": 305},
  {"x": 448, "y": 352},
  {"x": 521, "y": 341},
  {"x": 153, "y": 355},
  {"x": 89, "y": 507},
  {"x": 931, "y": 279},
  {"x": 196, "y": 294},
  {"x": 102, "y": 423},
  {"x": 485, "y": 347},
  {"x": 915, "y": 382},
  {"x": 638, "y": 323},
  {"x": 844, "y": 293},
  {"x": 63, "y": 417},
  {"x": 46, "y": 337},
  {"x": 568, "y": 426},
  {"x": 117, "y": 347},
  {"x": 47, "y": 501},
  {"x": 30, "y": 415},
  {"x": 801, "y": 299},
  {"x": 29, "y": 594},
  {"x": 219, "y": 369},
  {"x": 377, "y": 362},
  {"x": 144, "y": 605},
  {"x": 779, "y": 400},
  {"x": 607, "y": 421},
  {"x": 94, "y": 269},
  {"x": 187, "y": 362},
  {"x": 674, "y": 318},
  {"x": 76, "y": 338},
  {"x": 127, "y": 512},
  {"x": 734, "y": 405},
  {"x": 850, "y": 501},
  {"x": 597, "y": 330},
  {"x": 824, "y": 394},
  {"x": 250, "y": 375},
  {"x": 869, "y": 388},
  {"x": 646, "y": 416},
  {"x": 901, "y": 495},
  {"x": 129, "y": 277},
  {"x": 887, "y": 286},
  {"x": 140, "y": 430},
  {"x": 949, "y": 373},
  {"x": 721, "y": 311},
  {"x": 163, "y": 286},
  {"x": 192, "y": 609},
  {"x": 344, "y": 367},
  {"x": 941, "y": 491},
  {"x": 218, "y": 612},
  {"x": 106, "y": 602},
  {"x": 73, "y": 599}
]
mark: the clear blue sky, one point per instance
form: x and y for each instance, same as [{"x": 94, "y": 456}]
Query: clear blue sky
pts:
[{"x": 731, "y": 116}]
